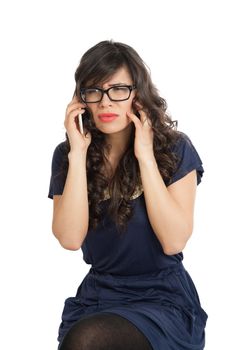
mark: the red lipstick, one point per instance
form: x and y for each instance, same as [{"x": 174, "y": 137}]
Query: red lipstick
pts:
[{"x": 107, "y": 117}]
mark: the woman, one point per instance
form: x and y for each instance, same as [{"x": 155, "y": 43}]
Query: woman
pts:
[{"x": 124, "y": 192}]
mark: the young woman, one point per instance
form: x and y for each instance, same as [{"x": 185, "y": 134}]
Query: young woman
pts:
[{"x": 124, "y": 190}]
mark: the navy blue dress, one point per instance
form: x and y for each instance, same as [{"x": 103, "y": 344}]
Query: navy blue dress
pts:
[{"x": 131, "y": 276}]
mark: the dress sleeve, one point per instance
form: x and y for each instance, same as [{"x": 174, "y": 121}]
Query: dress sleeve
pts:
[
  {"x": 188, "y": 160},
  {"x": 58, "y": 170}
]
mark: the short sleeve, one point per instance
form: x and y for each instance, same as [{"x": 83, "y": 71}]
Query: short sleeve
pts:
[
  {"x": 58, "y": 170},
  {"x": 188, "y": 159}
]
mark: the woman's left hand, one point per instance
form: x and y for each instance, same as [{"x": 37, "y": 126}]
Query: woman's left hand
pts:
[{"x": 143, "y": 143}]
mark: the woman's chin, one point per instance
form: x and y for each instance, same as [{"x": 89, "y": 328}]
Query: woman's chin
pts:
[{"x": 111, "y": 128}]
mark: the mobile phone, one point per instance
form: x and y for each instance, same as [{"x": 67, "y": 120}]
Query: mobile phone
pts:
[
  {"x": 83, "y": 122},
  {"x": 80, "y": 123}
]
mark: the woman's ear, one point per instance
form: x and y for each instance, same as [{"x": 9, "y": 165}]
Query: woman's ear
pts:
[{"x": 136, "y": 106}]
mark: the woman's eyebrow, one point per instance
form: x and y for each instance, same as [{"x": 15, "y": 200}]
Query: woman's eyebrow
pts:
[
  {"x": 118, "y": 84},
  {"x": 110, "y": 85}
]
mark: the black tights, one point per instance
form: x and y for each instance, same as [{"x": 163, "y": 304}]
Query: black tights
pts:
[{"x": 104, "y": 331}]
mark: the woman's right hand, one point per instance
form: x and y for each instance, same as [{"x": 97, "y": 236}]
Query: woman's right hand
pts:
[{"x": 78, "y": 142}]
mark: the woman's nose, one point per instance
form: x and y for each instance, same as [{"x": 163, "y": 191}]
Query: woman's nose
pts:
[{"x": 105, "y": 101}]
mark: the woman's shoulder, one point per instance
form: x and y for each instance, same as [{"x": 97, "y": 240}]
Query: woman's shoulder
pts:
[
  {"x": 61, "y": 148},
  {"x": 180, "y": 138},
  {"x": 187, "y": 156},
  {"x": 181, "y": 142},
  {"x": 60, "y": 157}
]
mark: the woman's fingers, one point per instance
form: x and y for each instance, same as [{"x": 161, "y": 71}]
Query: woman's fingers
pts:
[
  {"x": 71, "y": 114},
  {"x": 75, "y": 112},
  {"x": 72, "y": 111},
  {"x": 74, "y": 106},
  {"x": 141, "y": 121},
  {"x": 144, "y": 119},
  {"x": 79, "y": 139}
]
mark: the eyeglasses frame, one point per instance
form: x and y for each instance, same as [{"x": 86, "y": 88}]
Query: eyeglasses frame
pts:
[{"x": 106, "y": 91}]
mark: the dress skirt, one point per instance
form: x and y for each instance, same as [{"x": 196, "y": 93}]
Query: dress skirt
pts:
[{"x": 163, "y": 305}]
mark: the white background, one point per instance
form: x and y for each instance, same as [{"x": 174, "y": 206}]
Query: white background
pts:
[{"x": 188, "y": 46}]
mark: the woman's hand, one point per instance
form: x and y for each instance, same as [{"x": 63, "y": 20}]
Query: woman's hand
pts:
[
  {"x": 143, "y": 143},
  {"x": 78, "y": 142}
]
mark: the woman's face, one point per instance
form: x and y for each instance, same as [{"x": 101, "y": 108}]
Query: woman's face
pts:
[{"x": 110, "y": 116}]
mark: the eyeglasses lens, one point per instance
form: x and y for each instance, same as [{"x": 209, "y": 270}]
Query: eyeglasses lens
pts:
[{"x": 115, "y": 93}]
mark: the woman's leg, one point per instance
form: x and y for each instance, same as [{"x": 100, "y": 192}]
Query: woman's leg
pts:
[{"x": 104, "y": 331}]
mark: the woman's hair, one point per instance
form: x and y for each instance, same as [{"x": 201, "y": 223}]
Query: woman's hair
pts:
[{"x": 97, "y": 65}]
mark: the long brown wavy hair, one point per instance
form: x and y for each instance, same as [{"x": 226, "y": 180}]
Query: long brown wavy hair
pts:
[{"x": 97, "y": 65}]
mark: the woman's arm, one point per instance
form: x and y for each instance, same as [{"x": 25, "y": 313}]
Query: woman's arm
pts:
[
  {"x": 71, "y": 215},
  {"x": 71, "y": 211},
  {"x": 170, "y": 209}
]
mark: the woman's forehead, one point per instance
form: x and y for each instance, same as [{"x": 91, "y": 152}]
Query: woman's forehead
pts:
[{"x": 121, "y": 76}]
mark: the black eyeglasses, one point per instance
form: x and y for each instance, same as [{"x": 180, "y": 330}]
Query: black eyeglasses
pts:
[{"x": 115, "y": 93}]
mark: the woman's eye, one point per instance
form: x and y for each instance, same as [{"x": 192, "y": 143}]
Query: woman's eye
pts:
[
  {"x": 119, "y": 88},
  {"x": 92, "y": 91}
]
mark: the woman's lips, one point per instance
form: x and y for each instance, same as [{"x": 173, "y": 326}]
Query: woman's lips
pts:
[{"x": 107, "y": 117}]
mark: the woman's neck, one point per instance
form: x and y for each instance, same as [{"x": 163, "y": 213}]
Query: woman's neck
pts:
[{"x": 118, "y": 143}]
